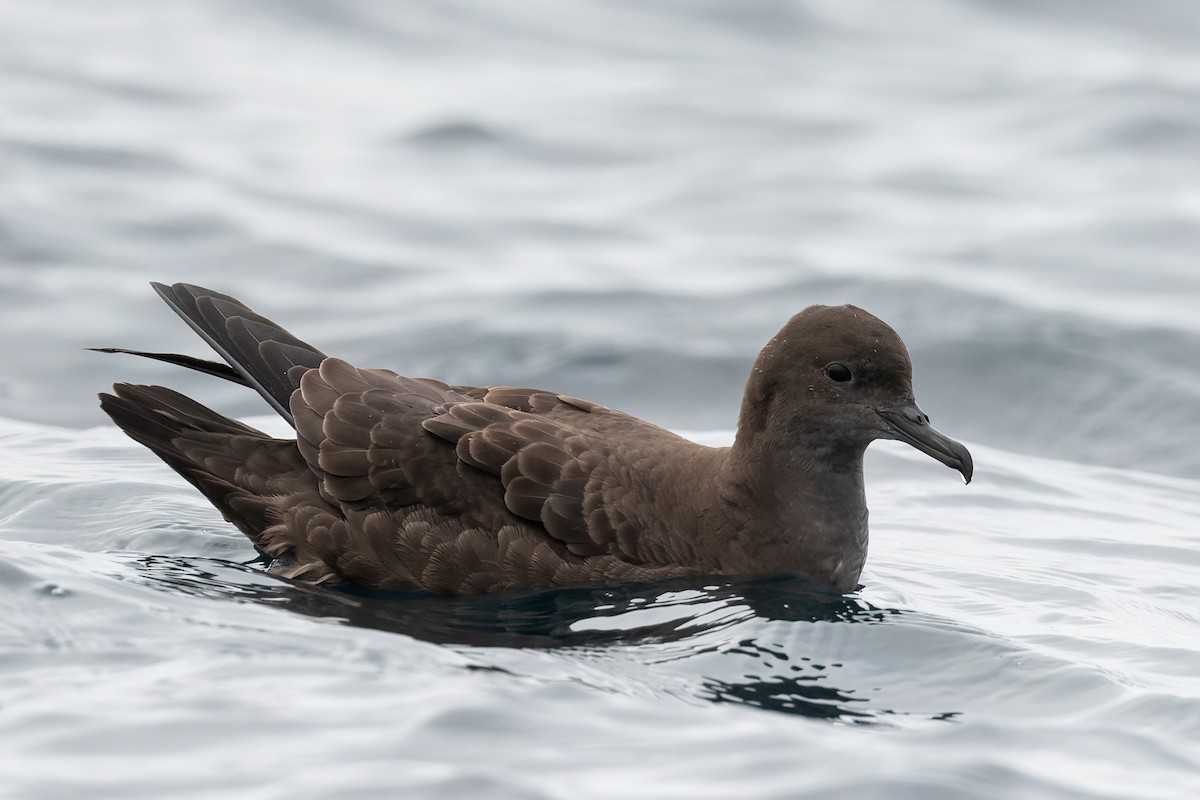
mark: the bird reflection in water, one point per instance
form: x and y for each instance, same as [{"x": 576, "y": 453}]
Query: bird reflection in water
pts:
[{"x": 713, "y": 623}]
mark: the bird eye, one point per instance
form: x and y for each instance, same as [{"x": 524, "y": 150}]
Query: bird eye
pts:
[{"x": 839, "y": 372}]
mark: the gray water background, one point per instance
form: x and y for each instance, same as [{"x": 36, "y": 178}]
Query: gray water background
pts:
[{"x": 621, "y": 201}]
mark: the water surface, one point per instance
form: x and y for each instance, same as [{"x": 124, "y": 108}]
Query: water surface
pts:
[{"x": 621, "y": 201}]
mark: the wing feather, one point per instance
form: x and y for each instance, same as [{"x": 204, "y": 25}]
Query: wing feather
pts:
[{"x": 372, "y": 436}]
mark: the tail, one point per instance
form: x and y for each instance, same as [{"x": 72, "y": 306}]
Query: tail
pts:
[
  {"x": 239, "y": 469},
  {"x": 260, "y": 353}
]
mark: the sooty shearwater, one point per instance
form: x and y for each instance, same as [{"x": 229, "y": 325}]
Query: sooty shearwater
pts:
[{"x": 402, "y": 484}]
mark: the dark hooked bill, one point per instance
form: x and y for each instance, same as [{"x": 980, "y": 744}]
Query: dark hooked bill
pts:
[{"x": 908, "y": 423}]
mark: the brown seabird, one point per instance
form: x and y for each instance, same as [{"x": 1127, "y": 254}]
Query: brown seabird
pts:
[{"x": 404, "y": 484}]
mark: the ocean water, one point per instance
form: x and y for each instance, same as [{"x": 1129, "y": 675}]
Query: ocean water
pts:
[{"x": 621, "y": 201}]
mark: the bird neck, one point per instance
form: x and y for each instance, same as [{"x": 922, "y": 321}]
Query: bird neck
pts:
[{"x": 798, "y": 508}]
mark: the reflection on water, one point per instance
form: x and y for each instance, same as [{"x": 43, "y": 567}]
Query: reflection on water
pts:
[
  {"x": 797, "y": 695},
  {"x": 726, "y": 626}
]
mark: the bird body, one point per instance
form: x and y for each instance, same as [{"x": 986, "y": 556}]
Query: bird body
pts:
[{"x": 403, "y": 484}]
